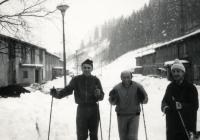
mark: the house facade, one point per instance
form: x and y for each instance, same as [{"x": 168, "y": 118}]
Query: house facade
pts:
[
  {"x": 185, "y": 48},
  {"x": 3, "y": 63},
  {"x": 24, "y": 63}
]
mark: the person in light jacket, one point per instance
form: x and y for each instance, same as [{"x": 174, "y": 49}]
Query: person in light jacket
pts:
[{"x": 127, "y": 96}]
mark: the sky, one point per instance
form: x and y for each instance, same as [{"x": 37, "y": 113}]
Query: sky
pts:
[{"x": 80, "y": 19}]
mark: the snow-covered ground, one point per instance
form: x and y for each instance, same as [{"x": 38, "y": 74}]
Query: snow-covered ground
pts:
[{"x": 27, "y": 117}]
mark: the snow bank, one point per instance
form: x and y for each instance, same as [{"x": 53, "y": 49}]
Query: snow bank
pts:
[{"x": 27, "y": 117}]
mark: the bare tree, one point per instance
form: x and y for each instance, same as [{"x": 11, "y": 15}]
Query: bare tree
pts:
[{"x": 16, "y": 19}]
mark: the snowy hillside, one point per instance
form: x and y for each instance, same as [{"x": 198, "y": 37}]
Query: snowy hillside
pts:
[{"x": 27, "y": 117}]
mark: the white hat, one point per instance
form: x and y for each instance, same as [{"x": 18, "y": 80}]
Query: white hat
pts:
[{"x": 178, "y": 65}]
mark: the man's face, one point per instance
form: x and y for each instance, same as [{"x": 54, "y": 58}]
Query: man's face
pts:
[
  {"x": 86, "y": 69},
  {"x": 178, "y": 74},
  {"x": 126, "y": 78}
]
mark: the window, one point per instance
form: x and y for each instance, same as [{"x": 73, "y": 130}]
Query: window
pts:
[
  {"x": 32, "y": 56},
  {"x": 23, "y": 54},
  {"x": 41, "y": 56},
  {"x": 25, "y": 74},
  {"x": 183, "y": 51}
]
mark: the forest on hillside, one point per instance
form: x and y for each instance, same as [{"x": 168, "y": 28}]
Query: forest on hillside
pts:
[{"x": 158, "y": 21}]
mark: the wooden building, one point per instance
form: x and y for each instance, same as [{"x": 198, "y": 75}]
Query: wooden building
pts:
[{"x": 185, "y": 48}]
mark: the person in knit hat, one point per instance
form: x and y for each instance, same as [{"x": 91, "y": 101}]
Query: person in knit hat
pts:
[
  {"x": 178, "y": 71},
  {"x": 178, "y": 65},
  {"x": 180, "y": 96},
  {"x": 87, "y": 91}
]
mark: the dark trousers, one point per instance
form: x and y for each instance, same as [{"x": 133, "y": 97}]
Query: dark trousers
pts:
[
  {"x": 177, "y": 136},
  {"x": 87, "y": 120}
]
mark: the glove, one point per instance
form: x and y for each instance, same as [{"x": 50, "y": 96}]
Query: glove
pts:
[
  {"x": 145, "y": 100},
  {"x": 178, "y": 105},
  {"x": 53, "y": 92},
  {"x": 97, "y": 93},
  {"x": 165, "y": 109},
  {"x": 113, "y": 97},
  {"x": 113, "y": 100}
]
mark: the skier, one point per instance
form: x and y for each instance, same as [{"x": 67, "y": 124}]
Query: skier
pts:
[
  {"x": 180, "y": 104},
  {"x": 127, "y": 96},
  {"x": 87, "y": 91}
]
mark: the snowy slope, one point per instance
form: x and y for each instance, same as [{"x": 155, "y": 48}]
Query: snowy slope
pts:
[{"x": 27, "y": 117}]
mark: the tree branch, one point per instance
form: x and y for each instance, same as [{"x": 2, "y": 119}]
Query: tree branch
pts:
[
  {"x": 3, "y": 2},
  {"x": 17, "y": 21}
]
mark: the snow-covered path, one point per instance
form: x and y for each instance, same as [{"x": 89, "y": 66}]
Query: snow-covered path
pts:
[{"x": 27, "y": 117}]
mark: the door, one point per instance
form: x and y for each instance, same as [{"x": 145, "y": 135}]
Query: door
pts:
[{"x": 36, "y": 75}]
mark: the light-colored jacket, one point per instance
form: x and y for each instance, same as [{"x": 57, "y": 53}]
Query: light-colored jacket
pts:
[{"x": 127, "y": 100}]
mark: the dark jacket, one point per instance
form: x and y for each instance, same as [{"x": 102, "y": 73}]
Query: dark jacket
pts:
[
  {"x": 127, "y": 100},
  {"x": 187, "y": 95},
  {"x": 84, "y": 89}
]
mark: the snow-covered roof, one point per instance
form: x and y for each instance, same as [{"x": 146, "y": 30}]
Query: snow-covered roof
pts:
[
  {"x": 151, "y": 48},
  {"x": 172, "y": 61},
  {"x": 148, "y": 52},
  {"x": 27, "y": 43},
  {"x": 177, "y": 39},
  {"x": 145, "y": 51},
  {"x": 57, "y": 67},
  {"x": 32, "y": 65},
  {"x": 21, "y": 41},
  {"x": 162, "y": 69},
  {"x": 53, "y": 54},
  {"x": 137, "y": 67}
]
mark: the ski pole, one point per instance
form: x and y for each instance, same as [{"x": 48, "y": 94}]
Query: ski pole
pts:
[
  {"x": 100, "y": 121},
  {"x": 181, "y": 118},
  {"x": 144, "y": 122},
  {"x": 110, "y": 122},
  {"x": 50, "y": 116}
]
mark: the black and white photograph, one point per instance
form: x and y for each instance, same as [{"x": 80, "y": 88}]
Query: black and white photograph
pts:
[{"x": 99, "y": 69}]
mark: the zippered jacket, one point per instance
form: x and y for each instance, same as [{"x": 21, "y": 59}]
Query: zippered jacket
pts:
[
  {"x": 127, "y": 100},
  {"x": 84, "y": 88}
]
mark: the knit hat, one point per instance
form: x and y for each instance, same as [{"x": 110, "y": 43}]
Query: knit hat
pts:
[
  {"x": 88, "y": 61},
  {"x": 178, "y": 65}
]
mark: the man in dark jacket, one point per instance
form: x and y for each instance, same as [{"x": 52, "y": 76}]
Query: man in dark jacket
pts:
[
  {"x": 127, "y": 96},
  {"x": 180, "y": 97},
  {"x": 87, "y": 92}
]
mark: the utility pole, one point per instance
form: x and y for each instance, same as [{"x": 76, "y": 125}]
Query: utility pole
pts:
[
  {"x": 77, "y": 62},
  {"x": 62, "y": 9}
]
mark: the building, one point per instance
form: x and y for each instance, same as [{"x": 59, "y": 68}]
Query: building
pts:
[
  {"x": 53, "y": 67},
  {"x": 185, "y": 48},
  {"x": 25, "y": 63}
]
